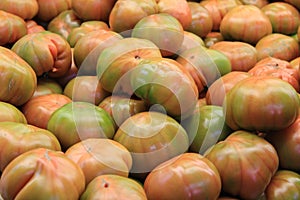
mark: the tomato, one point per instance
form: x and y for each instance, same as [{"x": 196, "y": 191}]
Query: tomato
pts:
[
  {"x": 84, "y": 28},
  {"x": 89, "y": 47},
  {"x": 111, "y": 158},
  {"x": 17, "y": 138},
  {"x": 277, "y": 45},
  {"x": 63, "y": 23},
  {"x": 277, "y": 68},
  {"x": 24, "y": 9},
  {"x": 47, "y": 86},
  {"x": 165, "y": 82},
  {"x": 46, "y": 52},
  {"x": 39, "y": 109},
  {"x": 116, "y": 61},
  {"x": 206, "y": 127},
  {"x": 212, "y": 38},
  {"x": 218, "y": 9},
  {"x": 50, "y": 9},
  {"x": 187, "y": 176},
  {"x": 9, "y": 112},
  {"x": 201, "y": 23},
  {"x": 246, "y": 23},
  {"x": 121, "y": 108},
  {"x": 178, "y": 9},
  {"x": 190, "y": 40},
  {"x": 33, "y": 27},
  {"x": 283, "y": 16},
  {"x": 164, "y": 30},
  {"x": 133, "y": 11},
  {"x": 287, "y": 143},
  {"x": 81, "y": 120},
  {"x": 242, "y": 55},
  {"x": 245, "y": 162},
  {"x": 93, "y": 9},
  {"x": 18, "y": 80},
  {"x": 258, "y": 3},
  {"x": 111, "y": 186},
  {"x": 284, "y": 184},
  {"x": 85, "y": 88},
  {"x": 261, "y": 103},
  {"x": 218, "y": 89},
  {"x": 204, "y": 65},
  {"x": 12, "y": 28},
  {"x": 152, "y": 138},
  {"x": 45, "y": 174}
]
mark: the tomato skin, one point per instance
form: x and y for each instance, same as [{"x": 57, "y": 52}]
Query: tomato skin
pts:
[
  {"x": 121, "y": 108},
  {"x": 237, "y": 153},
  {"x": 42, "y": 167},
  {"x": 18, "y": 80},
  {"x": 165, "y": 82},
  {"x": 47, "y": 86},
  {"x": 187, "y": 176},
  {"x": 9, "y": 112},
  {"x": 277, "y": 45},
  {"x": 63, "y": 23},
  {"x": 116, "y": 61},
  {"x": 86, "y": 89},
  {"x": 93, "y": 9},
  {"x": 46, "y": 52},
  {"x": 111, "y": 158},
  {"x": 39, "y": 109},
  {"x": 261, "y": 103},
  {"x": 287, "y": 142},
  {"x": 17, "y": 138},
  {"x": 242, "y": 55},
  {"x": 134, "y": 10},
  {"x": 206, "y": 127},
  {"x": 50, "y": 9},
  {"x": 285, "y": 184},
  {"x": 245, "y": 23},
  {"x": 110, "y": 186},
  {"x": 152, "y": 138},
  {"x": 84, "y": 28},
  {"x": 12, "y": 28},
  {"x": 24, "y": 9},
  {"x": 218, "y": 89},
  {"x": 82, "y": 120},
  {"x": 283, "y": 16},
  {"x": 89, "y": 47}
]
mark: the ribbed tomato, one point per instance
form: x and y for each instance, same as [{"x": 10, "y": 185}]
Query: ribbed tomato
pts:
[
  {"x": 63, "y": 23},
  {"x": 245, "y": 162},
  {"x": 17, "y": 138},
  {"x": 284, "y": 185},
  {"x": 187, "y": 176},
  {"x": 121, "y": 108},
  {"x": 85, "y": 88},
  {"x": 261, "y": 103},
  {"x": 39, "y": 109},
  {"x": 45, "y": 174},
  {"x": 24, "y": 9},
  {"x": 245, "y": 23},
  {"x": 151, "y": 138},
  {"x": 18, "y": 80},
  {"x": 9, "y": 112},
  {"x": 242, "y": 55},
  {"x": 98, "y": 156},
  {"x": 50, "y": 9},
  {"x": 46, "y": 52},
  {"x": 12, "y": 28},
  {"x": 84, "y": 28},
  {"x": 110, "y": 186},
  {"x": 81, "y": 120}
]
